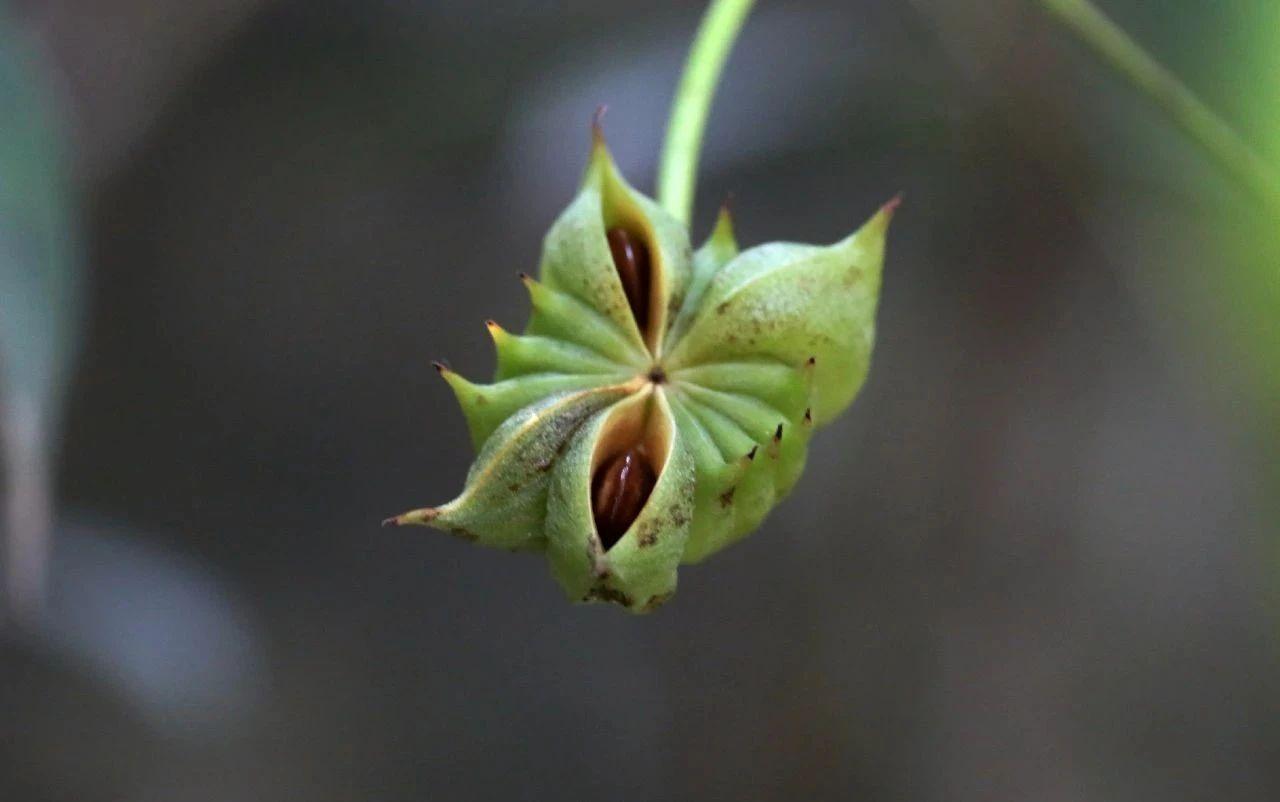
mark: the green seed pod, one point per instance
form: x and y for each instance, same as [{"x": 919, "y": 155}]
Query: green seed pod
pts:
[{"x": 661, "y": 400}]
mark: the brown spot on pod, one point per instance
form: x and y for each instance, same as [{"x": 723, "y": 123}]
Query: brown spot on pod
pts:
[
  {"x": 608, "y": 594},
  {"x": 656, "y": 601},
  {"x": 648, "y": 536}
]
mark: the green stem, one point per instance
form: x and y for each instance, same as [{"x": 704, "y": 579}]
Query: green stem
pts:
[
  {"x": 1204, "y": 127},
  {"x": 678, "y": 169}
]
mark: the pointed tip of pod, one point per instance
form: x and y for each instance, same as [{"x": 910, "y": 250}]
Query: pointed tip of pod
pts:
[
  {"x": 464, "y": 391},
  {"x": 724, "y": 218},
  {"x": 723, "y": 230},
  {"x": 865, "y": 247},
  {"x": 751, "y": 455},
  {"x": 419, "y": 517},
  {"x": 808, "y": 373},
  {"x": 879, "y": 222},
  {"x": 500, "y": 338},
  {"x": 597, "y": 124},
  {"x": 538, "y": 293},
  {"x": 774, "y": 447},
  {"x": 808, "y": 416},
  {"x": 600, "y": 165},
  {"x": 454, "y": 379},
  {"x": 533, "y": 287}
]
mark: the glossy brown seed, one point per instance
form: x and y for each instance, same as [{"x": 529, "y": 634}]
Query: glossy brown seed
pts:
[
  {"x": 631, "y": 258},
  {"x": 621, "y": 486}
]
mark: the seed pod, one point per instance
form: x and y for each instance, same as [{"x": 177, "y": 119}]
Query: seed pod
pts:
[{"x": 661, "y": 401}]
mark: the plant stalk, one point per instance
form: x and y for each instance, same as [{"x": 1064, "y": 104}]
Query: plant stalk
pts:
[
  {"x": 678, "y": 167},
  {"x": 1197, "y": 120}
]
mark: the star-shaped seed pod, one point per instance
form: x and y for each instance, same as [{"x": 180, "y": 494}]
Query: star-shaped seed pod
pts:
[{"x": 661, "y": 400}]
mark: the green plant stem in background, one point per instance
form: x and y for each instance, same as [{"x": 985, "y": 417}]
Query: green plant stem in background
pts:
[
  {"x": 40, "y": 280},
  {"x": 1183, "y": 107},
  {"x": 678, "y": 168}
]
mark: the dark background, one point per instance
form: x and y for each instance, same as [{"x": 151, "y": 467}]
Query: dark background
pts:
[{"x": 1032, "y": 562}]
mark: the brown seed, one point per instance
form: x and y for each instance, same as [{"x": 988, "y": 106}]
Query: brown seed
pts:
[
  {"x": 621, "y": 486},
  {"x": 631, "y": 258}
]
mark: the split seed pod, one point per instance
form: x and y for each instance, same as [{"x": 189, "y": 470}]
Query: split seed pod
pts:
[{"x": 661, "y": 400}]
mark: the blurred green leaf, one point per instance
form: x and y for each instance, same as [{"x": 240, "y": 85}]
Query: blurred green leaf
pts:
[
  {"x": 39, "y": 288},
  {"x": 38, "y": 243}
]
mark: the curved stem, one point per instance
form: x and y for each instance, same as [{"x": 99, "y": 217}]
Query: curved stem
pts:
[
  {"x": 678, "y": 168},
  {"x": 1208, "y": 130}
]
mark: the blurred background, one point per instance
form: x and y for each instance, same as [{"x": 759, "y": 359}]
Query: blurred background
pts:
[{"x": 1036, "y": 560}]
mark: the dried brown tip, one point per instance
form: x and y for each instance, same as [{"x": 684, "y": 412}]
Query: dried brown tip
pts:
[
  {"x": 597, "y": 123},
  {"x": 808, "y": 416},
  {"x": 440, "y": 367},
  {"x": 892, "y": 205},
  {"x": 752, "y": 453},
  {"x": 491, "y": 324},
  {"x": 525, "y": 277},
  {"x": 420, "y": 517},
  {"x": 777, "y": 436},
  {"x": 813, "y": 360}
]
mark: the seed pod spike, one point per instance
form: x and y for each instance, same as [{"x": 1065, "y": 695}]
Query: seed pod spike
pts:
[
  {"x": 601, "y": 161},
  {"x": 773, "y": 448},
  {"x": 808, "y": 370},
  {"x": 722, "y": 231},
  {"x": 891, "y": 206},
  {"x": 420, "y": 517},
  {"x": 597, "y": 125}
]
